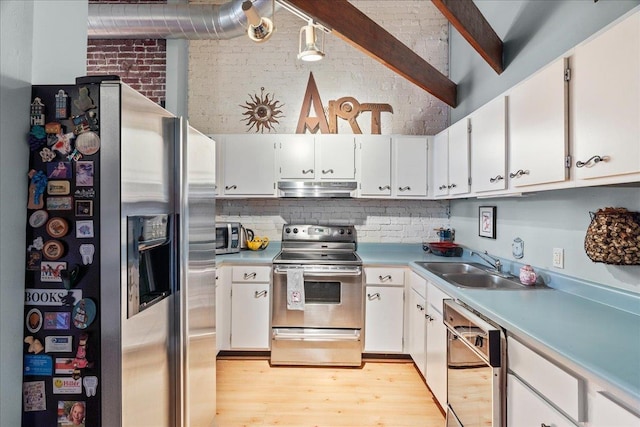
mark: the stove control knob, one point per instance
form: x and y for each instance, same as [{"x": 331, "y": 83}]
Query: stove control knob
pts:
[
  {"x": 342, "y": 231},
  {"x": 348, "y": 231},
  {"x": 287, "y": 230},
  {"x": 295, "y": 230}
]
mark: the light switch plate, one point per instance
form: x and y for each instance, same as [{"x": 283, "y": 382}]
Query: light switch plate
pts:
[{"x": 558, "y": 257}]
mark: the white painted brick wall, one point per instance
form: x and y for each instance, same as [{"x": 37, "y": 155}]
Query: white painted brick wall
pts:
[
  {"x": 222, "y": 74},
  {"x": 398, "y": 221}
]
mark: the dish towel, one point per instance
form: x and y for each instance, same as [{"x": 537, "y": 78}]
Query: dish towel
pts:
[{"x": 295, "y": 289}]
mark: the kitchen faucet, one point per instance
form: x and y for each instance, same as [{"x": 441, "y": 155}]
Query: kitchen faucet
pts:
[{"x": 493, "y": 262}]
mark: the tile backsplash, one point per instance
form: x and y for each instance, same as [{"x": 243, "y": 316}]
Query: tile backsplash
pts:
[{"x": 379, "y": 220}]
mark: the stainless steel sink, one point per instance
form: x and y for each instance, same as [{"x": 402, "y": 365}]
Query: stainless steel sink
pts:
[
  {"x": 452, "y": 267},
  {"x": 474, "y": 276},
  {"x": 483, "y": 281}
]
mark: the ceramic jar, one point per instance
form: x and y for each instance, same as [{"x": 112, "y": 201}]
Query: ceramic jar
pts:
[{"x": 527, "y": 275}]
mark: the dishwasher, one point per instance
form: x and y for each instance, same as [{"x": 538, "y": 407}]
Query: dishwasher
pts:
[{"x": 476, "y": 366}]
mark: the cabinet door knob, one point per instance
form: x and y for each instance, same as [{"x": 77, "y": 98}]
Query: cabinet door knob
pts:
[
  {"x": 260, "y": 294},
  {"x": 306, "y": 171},
  {"x": 249, "y": 276},
  {"x": 519, "y": 173},
  {"x": 594, "y": 159},
  {"x": 496, "y": 179},
  {"x": 373, "y": 296},
  {"x": 404, "y": 188},
  {"x": 326, "y": 171},
  {"x": 230, "y": 187}
]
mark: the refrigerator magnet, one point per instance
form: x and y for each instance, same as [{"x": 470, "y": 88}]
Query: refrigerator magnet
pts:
[
  {"x": 58, "y": 344},
  {"x": 38, "y": 218},
  {"x": 35, "y": 346},
  {"x": 33, "y": 260},
  {"x": 63, "y": 143},
  {"x": 57, "y": 227},
  {"x": 90, "y": 383},
  {"x": 58, "y": 188},
  {"x": 84, "y": 173},
  {"x": 50, "y": 271},
  {"x": 53, "y": 128},
  {"x": 63, "y": 203},
  {"x": 84, "y": 313},
  {"x": 59, "y": 170},
  {"x": 47, "y": 155},
  {"x": 84, "y": 101},
  {"x": 34, "y": 397},
  {"x": 57, "y": 320},
  {"x": 86, "y": 251},
  {"x": 71, "y": 413},
  {"x": 84, "y": 229},
  {"x": 53, "y": 250},
  {"x": 62, "y": 105},
  {"x": 75, "y": 155},
  {"x": 34, "y": 320},
  {"x": 38, "y": 364},
  {"x": 84, "y": 207},
  {"x": 88, "y": 143}
]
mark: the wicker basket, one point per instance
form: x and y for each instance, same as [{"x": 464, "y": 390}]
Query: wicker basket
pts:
[{"x": 613, "y": 237}]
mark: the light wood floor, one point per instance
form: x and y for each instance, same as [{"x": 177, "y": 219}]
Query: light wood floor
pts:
[{"x": 251, "y": 393}]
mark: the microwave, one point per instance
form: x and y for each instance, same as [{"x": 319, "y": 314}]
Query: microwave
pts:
[{"x": 227, "y": 237}]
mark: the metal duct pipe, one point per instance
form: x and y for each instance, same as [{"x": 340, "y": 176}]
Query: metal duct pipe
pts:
[{"x": 171, "y": 21}]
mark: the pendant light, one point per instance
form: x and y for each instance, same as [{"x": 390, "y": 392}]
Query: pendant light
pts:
[{"x": 309, "y": 51}]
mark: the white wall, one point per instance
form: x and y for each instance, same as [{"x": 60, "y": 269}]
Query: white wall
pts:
[
  {"x": 547, "y": 220},
  {"x": 222, "y": 74},
  {"x": 397, "y": 221},
  {"x": 16, "y": 27}
]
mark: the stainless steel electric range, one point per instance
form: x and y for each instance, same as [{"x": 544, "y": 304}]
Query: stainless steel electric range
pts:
[{"x": 318, "y": 297}]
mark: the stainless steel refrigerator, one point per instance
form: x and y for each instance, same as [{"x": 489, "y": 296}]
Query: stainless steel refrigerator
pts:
[{"x": 152, "y": 276}]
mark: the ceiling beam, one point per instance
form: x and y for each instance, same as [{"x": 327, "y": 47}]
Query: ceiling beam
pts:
[
  {"x": 357, "y": 29},
  {"x": 465, "y": 16}
]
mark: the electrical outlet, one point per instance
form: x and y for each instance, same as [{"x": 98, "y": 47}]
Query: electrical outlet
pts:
[{"x": 558, "y": 257}]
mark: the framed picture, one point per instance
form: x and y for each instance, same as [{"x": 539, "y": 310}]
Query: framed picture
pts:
[{"x": 487, "y": 221}]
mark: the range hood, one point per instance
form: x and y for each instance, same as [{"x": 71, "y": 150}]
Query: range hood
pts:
[{"x": 333, "y": 189}]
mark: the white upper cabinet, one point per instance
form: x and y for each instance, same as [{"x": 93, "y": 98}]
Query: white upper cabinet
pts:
[
  {"x": 440, "y": 164},
  {"x": 605, "y": 103},
  {"x": 538, "y": 128},
  {"x": 410, "y": 166},
  {"x": 335, "y": 158},
  {"x": 459, "y": 157},
  {"x": 489, "y": 147},
  {"x": 321, "y": 157},
  {"x": 248, "y": 167},
  {"x": 375, "y": 165},
  {"x": 296, "y": 156}
]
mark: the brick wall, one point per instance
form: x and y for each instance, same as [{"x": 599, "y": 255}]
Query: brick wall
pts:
[
  {"x": 222, "y": 74},
  {"x": 397, "y": 221},
  {"x": 139, "y": 63}
]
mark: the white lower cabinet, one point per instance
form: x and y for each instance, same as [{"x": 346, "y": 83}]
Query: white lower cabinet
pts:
[
  {"x": 607, "y": 413},
  {"x": 436, "y": 345},
  {"x": 416, "y": 333},
  {"x": 556, "y": 387},
  {"x": 384, "y": 310},
  {"x": 384, "y": 319},
  {"x": 526, "y": 408},
  {"x": 250, "y": 308}
]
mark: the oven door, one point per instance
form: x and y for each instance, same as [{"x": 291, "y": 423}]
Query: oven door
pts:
[{"x": 333, "y": 298}]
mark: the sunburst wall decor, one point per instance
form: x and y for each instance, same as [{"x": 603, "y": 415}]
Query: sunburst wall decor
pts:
[{"x": 262, "y": 112}]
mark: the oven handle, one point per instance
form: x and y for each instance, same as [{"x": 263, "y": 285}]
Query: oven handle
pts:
[{"x": 356, "y": 271}]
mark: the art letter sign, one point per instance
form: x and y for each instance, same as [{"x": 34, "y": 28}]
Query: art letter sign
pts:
[{"x": 346, "y": 108}]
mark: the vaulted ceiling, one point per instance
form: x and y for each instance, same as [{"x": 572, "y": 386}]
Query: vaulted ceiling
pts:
[{"x": 356, "y": 28}]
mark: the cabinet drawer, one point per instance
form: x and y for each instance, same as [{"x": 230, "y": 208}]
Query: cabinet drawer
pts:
[
  {"x": 251, "y": 274},
  {"x": 560, "y": 387},
  {"x": 384, "y": 276},
  {"x": 526, "y": 408},
  {"x": 435, "y": 297}
]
